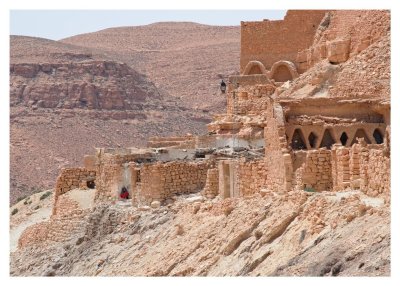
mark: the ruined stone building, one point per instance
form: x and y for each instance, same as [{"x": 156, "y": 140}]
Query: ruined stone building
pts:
[{"x": 288, "y": 124}]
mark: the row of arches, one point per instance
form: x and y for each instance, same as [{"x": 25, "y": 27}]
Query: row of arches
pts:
[
  {"x": 281, "y": 71},
  {"x": 299, "y": 141}
]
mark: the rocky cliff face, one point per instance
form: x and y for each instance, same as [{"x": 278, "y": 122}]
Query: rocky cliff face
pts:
[
  {"x": 185, "y": 60},
  {"x": 91, "y": 84},
  {"x": 294, "y": 234},
  {"x": 66, "y": 100}
]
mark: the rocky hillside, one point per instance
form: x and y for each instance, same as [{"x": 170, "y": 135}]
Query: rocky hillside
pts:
[
  {"x": 113, "y": 88},
  {"x": 294, "y": 234},
  {"x": 47, "y": 74},
  {"x": 184, "y": 60}
]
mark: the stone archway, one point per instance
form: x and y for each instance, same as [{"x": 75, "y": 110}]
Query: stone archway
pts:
[
  {"x": 255, "y": 67},
  {"x": 298, "y": 142},
  {"x": 327, "y": 139},
  {"x": 360, "y": 134},
  {"x": 282, "y": 71}
]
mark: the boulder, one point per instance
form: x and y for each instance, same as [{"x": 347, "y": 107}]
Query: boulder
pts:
[{"x": 155, "y": 204}]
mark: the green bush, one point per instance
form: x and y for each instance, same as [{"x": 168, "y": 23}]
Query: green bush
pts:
[
  {"x": 14, "y": 211},
  {"x": 310, "y": 190},
  {"x": 21, "y": 198},
  {"x": 45, "y": 195}
]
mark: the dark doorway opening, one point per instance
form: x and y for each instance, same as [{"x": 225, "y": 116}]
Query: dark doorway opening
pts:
[
  {"x": 312, "y": 139},
  {"x": 298, "y": 141},
  {"x": 344, "y": 138},
  {"x": 90, "y": 184},
  {"x": 378, "y": 136},
  {"x": 327, "y": 140}
]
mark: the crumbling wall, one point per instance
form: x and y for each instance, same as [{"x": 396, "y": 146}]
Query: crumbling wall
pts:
[
  {"x": 61, "y": 225},
  {"x": 252, "y": 176},
  {"x": 162, "y": 180},
  {"x": 364, "y": 167},
  {"x": 111, "y": 169},
  {"x": 250, "y": 100},
  {"x": 211, "y": 187},
  {"x": 271, "y": 41},
  {"x": 316, "y": 172},
  {"x": 277, "y": 157},
  {"x": 109, "y": 175},
  {"x": 72, "y": 178},
  {"x": 375, "y": 171},
  {"x": 341, "y": 175}
]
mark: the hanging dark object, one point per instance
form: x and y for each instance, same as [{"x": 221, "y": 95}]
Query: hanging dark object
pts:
[{"x": 223, "y": 86}]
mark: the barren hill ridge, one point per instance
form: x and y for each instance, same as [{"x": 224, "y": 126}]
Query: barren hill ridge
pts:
[{"x": 115, "y": 87}]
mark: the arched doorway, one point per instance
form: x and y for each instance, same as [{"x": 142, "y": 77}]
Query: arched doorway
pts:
[
  {"x": 360, "y": 134},
  {"x": 327, "y": 140},
  {"x": 298, "y": 142}
]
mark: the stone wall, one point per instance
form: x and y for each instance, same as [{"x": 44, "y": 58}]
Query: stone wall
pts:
[
  {"x": 113, "y": 170},
  {"x": 375, "y": 171},
  {"x": 364, "y": 167},
  {"x": 61, "y": 225},
  {"x": 160, "y": 181},
  {"x": 252, "y": 176},
  {"x": 277, "y": 157},
  {"x": 72, "y": 178},
  {"x": 109, "y": 175},
  {"x": 341, "y": 176},
  {"x": 316, "y": 172},
  {"x": 271, "y": 41},
  {"x": 211, "y": 187},
  {"x": 250, "y": 100}
]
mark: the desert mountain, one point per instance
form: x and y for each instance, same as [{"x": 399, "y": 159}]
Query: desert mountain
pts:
[
  {"x": 116, "y": 87},
  {"x": 185, "y": 60}
]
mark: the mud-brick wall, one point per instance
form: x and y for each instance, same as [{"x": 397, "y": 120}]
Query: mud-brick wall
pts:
[
  {"x": 72, "y": 178},
  {"x": 162, "y": 180},
  {"x": 316, "y": 173},
  {"x": 271, "y": 41},
  {"x": 375, "y": 171},
  {"x": 252, "y": 176},
  {"x": 212, "y": 183}
]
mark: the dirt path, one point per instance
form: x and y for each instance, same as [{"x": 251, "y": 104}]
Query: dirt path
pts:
[{"x": 42, "y": 214}]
